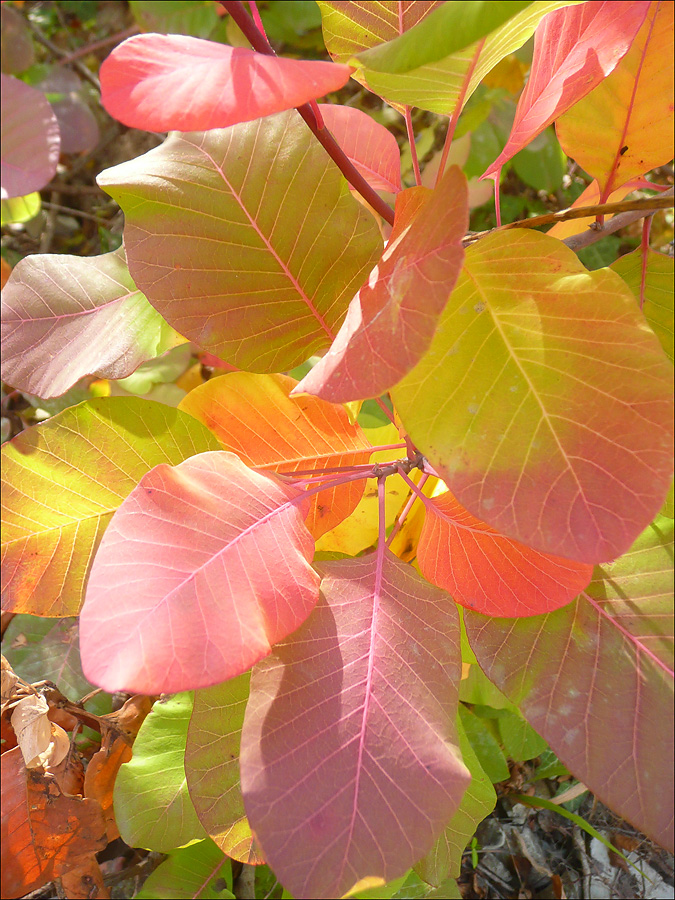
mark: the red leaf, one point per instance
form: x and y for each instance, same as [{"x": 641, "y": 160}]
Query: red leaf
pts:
[
  {"x": 349, "y": 748},
  {"x": 391, "y": 321},
  {"x": 203, "y": 567},
  {"x": 369, "y": 145},
  {"x": 491, "y": 573},
  {"x": 163, "y": 82},
  {"x": 574, "y": 49}
]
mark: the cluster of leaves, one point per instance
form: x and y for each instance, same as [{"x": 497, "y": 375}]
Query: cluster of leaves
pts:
[{"x": 249, "y": 551}]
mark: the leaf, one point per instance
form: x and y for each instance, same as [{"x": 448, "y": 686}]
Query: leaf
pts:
[
  {"x": 330, "y": 747},
  {"x": 212, "y": 766},
  {"x": 391, "y": 321},
  {"x": 152, "y": 804},
  {"x": 48, "y": 649},
  {"x": 624, "y": 127},
  {"x": 595, "y": 680},
  {"x": 45, "y": 832},
  {"x": 64, "y": 317},
  {"x": 351, "y": 27},
  {"x": 575, "y": 48},
  {"x": 369, "y": 145},
  {"x": 445, "y": 858},
  {"x": 544, "y": 402},
  {"x": 172, "y": 82},
  {"x": 441, "y": 61},
  {"x": 30, "y": 139},
  {"x": 194, "y": 17},
  {"x": 205, "y": 566},
  {"x": 63, "y": 480},
  {"x": 254, "y": 417},
  {"x": 490, "y": 573},
  {"x": 485, "y": 745},
  {"x": 196, "y": 871},
  {"x": 263, "y": 278},
  {"x": 658, "y": 290},
  {"x": 19, "y": 209}
]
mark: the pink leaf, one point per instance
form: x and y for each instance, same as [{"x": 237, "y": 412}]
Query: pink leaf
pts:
[
  {"x": 30, "y": 139},
  {"x": 369, "y": 145},
  {"x": 491, "y": 573},
  {"x": 65, "y": 317},
  {"x": 574, "y": 49},
  {"x": 162, "y": 82},
  {"x": 595, "y": 679},
  {"x": 349, "y": 749},
  {"x": 203, "y": 567},
  {"x": 391, "y": 321}
]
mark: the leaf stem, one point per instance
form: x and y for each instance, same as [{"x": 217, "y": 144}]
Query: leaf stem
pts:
[
  {"x": 406, "y": 509},
  {"x": 260, "y": 43},
  {"x": 413, "y": 147},
  {"x": 452, "y": 124}
]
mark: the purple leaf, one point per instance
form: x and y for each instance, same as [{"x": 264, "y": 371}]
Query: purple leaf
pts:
[
  {"x": 349, "y": 748},
  {"x": 30, "y": 139}
]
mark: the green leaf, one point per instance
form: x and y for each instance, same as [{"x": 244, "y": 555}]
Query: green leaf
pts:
[
  {"x": 39, "y": 648},
  {"x": 62, "y": 482},
  {"x": 153, "y": 808},
  {"x": 658, "y": 290},
  {"x": 198, "y": 871},
  {"x": 485, "y": 746},
  {"x": 20, "y": 209},
  {"x": 430, "y": 65},
  {"x": 445, "y": 857},
  {"x": 542, "y": 164},
  {"x": 212, "y": 765}
]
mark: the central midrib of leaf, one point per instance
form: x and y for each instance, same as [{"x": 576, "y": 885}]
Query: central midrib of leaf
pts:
[{"x": 287, "y": 272}]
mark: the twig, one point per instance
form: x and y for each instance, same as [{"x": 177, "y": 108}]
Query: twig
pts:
[
  {"x": 50, "y": 225},
  {"x": 77, "y": 213},
  {"x": 629, "y": 211},
  {"x": 99, "y": 45},
  {"x": 60, "y": 54},
  {"x": 577, "y": 241},
  {"x": 63, "y": 188},
  {"x": 259, "y": 43},
  {"x": 645, "y": 204}
]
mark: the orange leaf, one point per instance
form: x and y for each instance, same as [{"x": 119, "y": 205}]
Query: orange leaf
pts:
[
  {"x": 489, "y": 572},
  {"x": 254, "y": 416}
]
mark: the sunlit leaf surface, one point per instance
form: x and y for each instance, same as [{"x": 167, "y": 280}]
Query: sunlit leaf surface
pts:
[
  {"x": 63, "y": 480},
  {"x": 253, "y": 416},
  {"x": 64, "y": 317},
  {"x": 624, "y": 127},
  {"x": 574, "y": 49},
  {"x": 391, "y": 321},
  {"x": 172, "y": 82},
  {"x": 205, "y": 566},
  {"x": 490, "y": 573},
  {"x": 544, "y": 401},
  {"x": 351, "y": 723},
  {"x": 246, "y": 239},
  {"x": 212, "y": 766},
  {"x": 443, "y": 59}
]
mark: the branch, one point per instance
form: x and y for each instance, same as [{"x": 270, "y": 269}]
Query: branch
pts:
[
  {"x": 585, "y": 238},
  {"x": 630, "y": 211},
  {"x": 63, "y": 54},
  {"x": 259, "y": 42}
]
